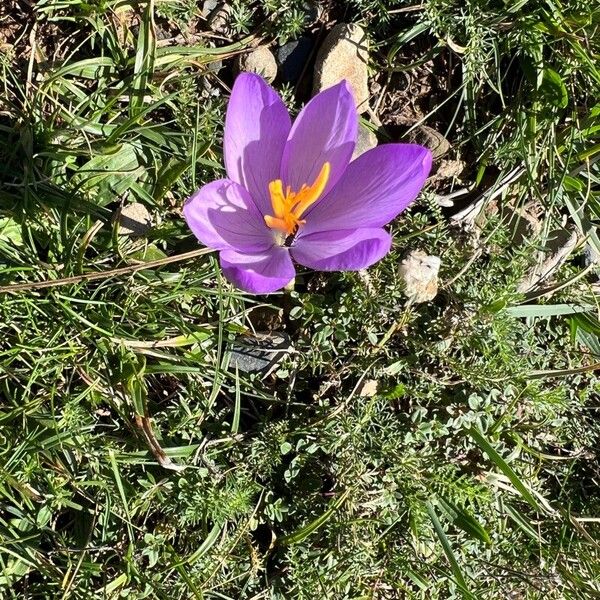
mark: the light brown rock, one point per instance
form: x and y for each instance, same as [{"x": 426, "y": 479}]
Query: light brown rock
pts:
[
  {"x": 134, "y": 220},
  {"x": 260, "y": 61},
  {"x": 368, "y": 389},
  {"x": 449, "y": 169},
  {"x": 419, "y": 272},
  {"x": 430, "y": 138},
  {"x": 345, "y": 55}
]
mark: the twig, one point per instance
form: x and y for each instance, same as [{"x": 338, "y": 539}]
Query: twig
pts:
[
  {"x": 144, "y": 424},
  {"x": 470, "y": 212},
  {"x": 31, "y": 61},
  {"x": 21, "y": 287},
  {"x": 465, "y": 268}
]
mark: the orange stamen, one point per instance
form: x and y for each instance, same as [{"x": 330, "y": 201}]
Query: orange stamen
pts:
[{"x": 289, "y": 206}]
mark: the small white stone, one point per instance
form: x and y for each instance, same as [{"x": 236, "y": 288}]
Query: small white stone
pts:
[
  {"x": 419, "y": 272},
  {"x": 208, "y": 6},
  {"x": 134, "y": 220},
  {"x": 368, "y": 389},
  {"x": 260, "y": 61},
  {"x": 345, "y": 55}
]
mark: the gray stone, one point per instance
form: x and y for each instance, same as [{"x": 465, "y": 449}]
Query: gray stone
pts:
[
  {"x": 208, "y": 6},
  {"x": 292, "y": 58},
  {"x": 591, "y": 255},
  {"x": 260, "y": 353},
  {"x": 134, "y": 220},
  {"x": 345, "y": 55},
  {"x": 214, "y": 67},
  {"x": 419, "y": 272},
  {"x": 430, "y": 138},
  {"x": 261, "y": 61},
  {"x": 365, "y": 141},
  {"x": 219, "y": 17}
]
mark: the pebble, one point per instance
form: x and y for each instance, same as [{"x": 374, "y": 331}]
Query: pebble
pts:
[
  {"x": 214, "y": 67},
  {"x": 259, "y": 353},
  {"x": 134, "y": 220},
  {"x": 591, "y": 255},
  {"x": 217, "y": 17},
  {"x": 292, "y": 58},
  {"x": 449, "y": 169},
  {"x": 368, "y": 389},
  {"x": 208, "y": 6},
  {"x": 419, "y": 272},
  {"x": 365, "y": 141},
  {"x": 430, "y": 138},
  {"x": 261, "y": 61},
  {"x": 345, "y": 55}
]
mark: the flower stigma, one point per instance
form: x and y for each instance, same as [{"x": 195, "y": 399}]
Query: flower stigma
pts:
[{"x": 289, "y": 206}]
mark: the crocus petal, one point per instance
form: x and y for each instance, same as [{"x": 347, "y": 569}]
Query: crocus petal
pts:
[
  {"x": 324, "y": 131},
  {"x": 348, "y": 250},
  {"x": 375, "y": 188},
  {"x": 222, "y": 215},
  {"x": 258, "y": 273},
  {"x": 257, "y": 125}
]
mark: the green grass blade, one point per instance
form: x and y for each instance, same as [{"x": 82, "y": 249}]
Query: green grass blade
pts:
[
  {"x": 493, "y": 455},
  {"x": 304, "y": 532},
  {"x": 458, "y": 576}
]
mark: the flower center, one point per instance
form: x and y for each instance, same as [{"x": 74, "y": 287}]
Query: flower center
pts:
[{"x": 289, "y": 206}]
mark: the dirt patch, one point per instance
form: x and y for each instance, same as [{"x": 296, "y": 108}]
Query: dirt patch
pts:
[
  {"x": 13, "y": 16},
  {"x": 416, "y": 85},
  {"x": 22, "y": 34},
  {"x": 412, "y": 87}
]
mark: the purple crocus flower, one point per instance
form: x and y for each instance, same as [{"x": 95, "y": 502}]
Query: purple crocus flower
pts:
[{"x": 292, "y": 194}]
